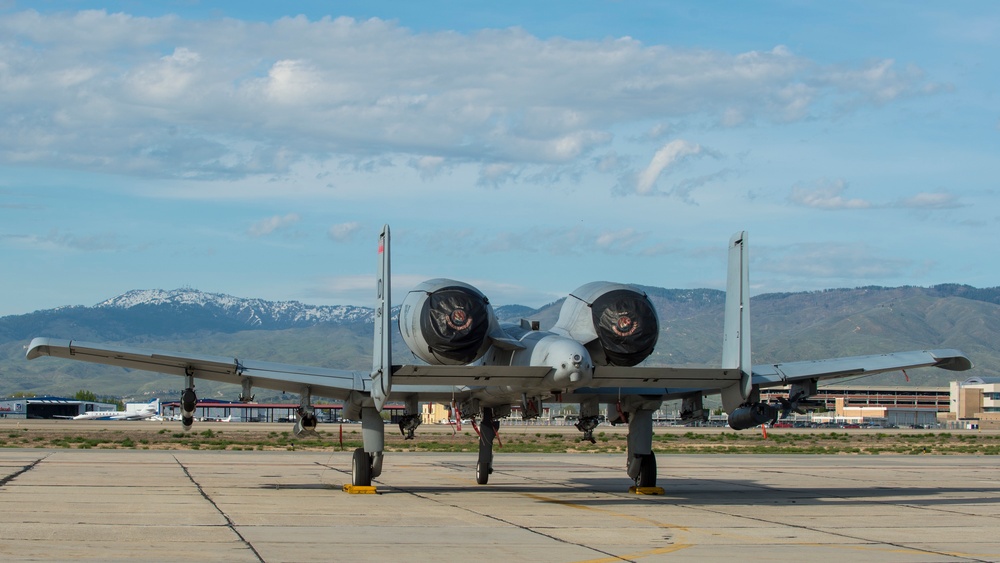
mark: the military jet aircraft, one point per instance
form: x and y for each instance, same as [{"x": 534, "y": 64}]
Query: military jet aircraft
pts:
[{"x": 465, "y": 356}]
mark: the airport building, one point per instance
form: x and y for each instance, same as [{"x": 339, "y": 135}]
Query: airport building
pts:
[
  {"x": 48, "y": 407},
  {"x": 903, "y": 406},
  {"x": 975, "y": 403}
]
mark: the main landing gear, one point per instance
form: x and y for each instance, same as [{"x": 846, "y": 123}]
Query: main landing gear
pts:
[
  {"x": 641, "y": 459},
  {"x": 361, "y": 468},
  {"x": 487, "y": 433},
  {"x": 367, "y": 461}
]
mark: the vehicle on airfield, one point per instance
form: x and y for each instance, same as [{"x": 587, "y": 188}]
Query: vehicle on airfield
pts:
[{"x": 589, "y": 357}]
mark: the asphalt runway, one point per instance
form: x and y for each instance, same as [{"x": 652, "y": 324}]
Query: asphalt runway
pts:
[{"x": 118, "y": 505}]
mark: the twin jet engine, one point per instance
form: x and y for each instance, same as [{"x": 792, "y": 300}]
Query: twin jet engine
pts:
[{"x": 447, "y": 322}]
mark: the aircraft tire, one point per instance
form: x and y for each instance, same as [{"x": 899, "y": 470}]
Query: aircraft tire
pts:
[
  {"x": 361, "y": 469},
  {"x": 482, "y": 473},
  {"x": 647, "y": 471},
  {"x": 484, "y": 466}
]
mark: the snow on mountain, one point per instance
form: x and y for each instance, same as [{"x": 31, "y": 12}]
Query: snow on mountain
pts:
[{"x": 252, "y": 312}]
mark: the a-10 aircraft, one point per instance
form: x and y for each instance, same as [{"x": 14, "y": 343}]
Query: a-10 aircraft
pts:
[{"x": 466, "y": 357}]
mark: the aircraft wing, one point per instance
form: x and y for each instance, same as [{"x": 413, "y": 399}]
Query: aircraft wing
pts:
[
  {"x": 338, "y": 384},
  {"x": 333, "y": 383},
  {"x": 770, "y": 375}
]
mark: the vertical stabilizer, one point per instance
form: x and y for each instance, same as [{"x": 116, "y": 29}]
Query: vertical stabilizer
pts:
[
  {"x": 736, "y": 338},
  {"x": 382, "y": 355}
]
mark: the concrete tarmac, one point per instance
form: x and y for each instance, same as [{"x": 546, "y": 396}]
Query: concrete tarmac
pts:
[{"x": 117, "y": 505}]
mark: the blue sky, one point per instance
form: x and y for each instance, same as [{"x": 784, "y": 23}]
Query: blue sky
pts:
[{"x": 526, "y": 148}]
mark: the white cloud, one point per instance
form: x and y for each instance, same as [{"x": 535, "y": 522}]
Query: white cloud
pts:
[
  {"x": 667, "y": 156},
  {"x": 233, "y": 98},
  {"x": 621, "y": 241},
  {"x": 428, "y": 166},
  {"x": 269, "y": 225},
  {"x": 931, "y": 200},
  {"x": 826, "y": 196},
  {"x": 344, "y": 231},
  {"x": 493, "y": 175}
]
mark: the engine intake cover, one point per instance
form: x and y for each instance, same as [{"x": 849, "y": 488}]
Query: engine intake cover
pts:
[
  {"x": 446, "y": 323},
  {"x": 626, "y": 326},
  {"x": 616, "y": 322}
]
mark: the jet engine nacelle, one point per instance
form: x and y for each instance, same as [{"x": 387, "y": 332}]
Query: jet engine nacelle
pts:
[
  {"x": 616, "y": 322},
  {"x": 447, "y": 322}
]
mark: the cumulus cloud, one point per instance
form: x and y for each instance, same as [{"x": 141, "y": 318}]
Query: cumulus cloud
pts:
[
  {"x": 269, "y": 225},
  {"x": 344, "y": 231},
  {"x": 428, "y": 166},
  {"x": 878, "y": 82},
  {"x": 623, "y": 241},
  {"x": 496, "y": 174},
  {"x": 228, "y": 98},
  {"x": 668, "y": 155},
  {"x": 828, "y": 195},
  {"x": 931, "y": 200}
]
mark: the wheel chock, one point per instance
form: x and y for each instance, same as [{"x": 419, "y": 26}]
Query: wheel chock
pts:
[
  {"x": 358, "y": 490},
  {"x": 646, "y": 490}
]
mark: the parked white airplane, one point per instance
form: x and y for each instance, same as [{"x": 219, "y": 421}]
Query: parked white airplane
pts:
[
  {"x": 589, "y": 357},
  {"x": 142, "y": 411}
]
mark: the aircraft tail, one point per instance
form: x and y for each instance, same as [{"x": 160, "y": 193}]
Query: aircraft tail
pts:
[
  {"x": 382, "y": 355},
  {"x": 736, "y": 337}
]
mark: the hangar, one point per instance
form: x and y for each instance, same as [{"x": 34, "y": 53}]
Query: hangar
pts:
[{"x": 48, "y": 407}]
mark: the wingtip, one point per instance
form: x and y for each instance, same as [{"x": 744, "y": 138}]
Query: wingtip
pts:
[
  {"x": 37, "y": 348},
  {"x": 952, "y": 360},
  {"x": 40, "y": 345}
]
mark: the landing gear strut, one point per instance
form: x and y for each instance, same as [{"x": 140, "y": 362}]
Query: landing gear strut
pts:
[
  {"x": 367, "y": 461},
  {"x": 641, "y": 460},
  {"x": 487, "y": 433}
]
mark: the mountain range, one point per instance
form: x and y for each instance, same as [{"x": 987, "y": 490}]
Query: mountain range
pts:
[{"x": 786, "y": 327}]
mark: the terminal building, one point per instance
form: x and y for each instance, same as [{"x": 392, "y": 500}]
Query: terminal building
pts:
[
  {"x": 975, "y": 402},
  {"x": 903, "y": 406}
]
